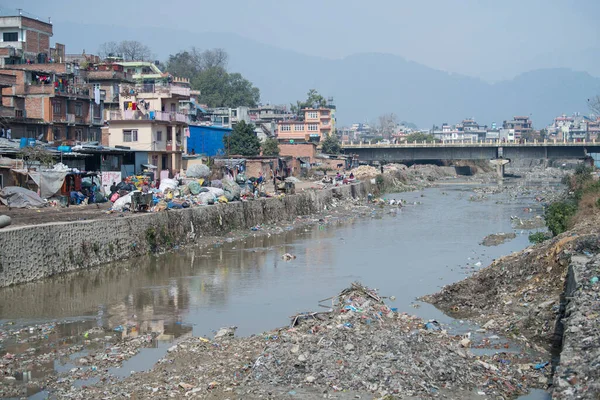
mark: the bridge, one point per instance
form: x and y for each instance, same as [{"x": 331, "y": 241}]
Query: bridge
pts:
[
  {"x": 423, "y": 151},
  {"x": 497, "y": 152}
]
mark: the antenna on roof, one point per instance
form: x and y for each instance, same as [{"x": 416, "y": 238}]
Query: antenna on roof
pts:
[{"x": 20, "y": 10}]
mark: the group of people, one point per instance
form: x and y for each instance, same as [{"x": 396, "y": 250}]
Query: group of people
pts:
[{"x": 339, "y": 178}]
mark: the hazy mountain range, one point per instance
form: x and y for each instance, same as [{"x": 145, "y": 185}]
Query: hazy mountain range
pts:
[{"x": 367, "y": 85}]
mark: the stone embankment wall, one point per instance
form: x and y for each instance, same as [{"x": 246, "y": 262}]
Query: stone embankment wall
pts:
[
  {"x": 577, "y": 374},
  {"x": 34, "y": 252}
]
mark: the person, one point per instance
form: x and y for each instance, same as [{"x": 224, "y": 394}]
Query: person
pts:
[
  {"x": 382, "y": 169},
  {"x": 351, "y": 175},
  {"x": 113, "y": 189},
  {"x": 145, "y": 187}
]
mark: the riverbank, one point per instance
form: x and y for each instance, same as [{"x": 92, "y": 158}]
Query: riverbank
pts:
[
  {"x": 34, "y": 252},
  {"x": 546, "y": 295},
  {"x": 356, "y": 346},
  {"x": 104, "y": 349}
]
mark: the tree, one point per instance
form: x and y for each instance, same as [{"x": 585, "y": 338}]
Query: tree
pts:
[
  {"x": 130, "y": 50},
  {"x": 188, "y": 64},
  {"x": 387, "y": 124},
  {"x": 420, "y": 137},
  {"x": 270, "y": 147},
  {"x": 108, "y": 49},
  {"x": 32, "y": 155},
  {"x": 221, "y": 89},
  {"x": 331, "y": 145},
  {"x": 313, "y": 100},
  {"x": 242, "y": 141}
]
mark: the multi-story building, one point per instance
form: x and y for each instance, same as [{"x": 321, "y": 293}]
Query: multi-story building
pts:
[
  {"x": 53, "y": 102},
  {"x": 149, "y": 121},
  {"x": 7, "y": 81},
  {"x": 108, "y": 78},
  {"x": 23, "y": 38},
  {"x": 521, "y": 125},
  {"x": 575, "y": 127},
  {"x": 318, "y": 123},
  {"x": 266, "y": 117}
]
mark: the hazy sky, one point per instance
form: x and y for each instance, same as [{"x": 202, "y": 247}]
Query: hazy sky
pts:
[{"x": 491, "y": 39}]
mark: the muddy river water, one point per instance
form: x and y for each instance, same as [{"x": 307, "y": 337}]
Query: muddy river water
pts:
[{"x": 431, "y": 242}]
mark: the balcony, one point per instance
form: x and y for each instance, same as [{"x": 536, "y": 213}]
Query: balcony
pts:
[
  {"x": 166, "y": 90},
  {"x": 70, "y": 91},
  {"x": 64, "y": 118},
  {"x": 177, "y": 146},
  {"x": 129, "y": 115}
]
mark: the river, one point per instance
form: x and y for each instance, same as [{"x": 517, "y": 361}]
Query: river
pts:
[{"x": 431, "y": 242}]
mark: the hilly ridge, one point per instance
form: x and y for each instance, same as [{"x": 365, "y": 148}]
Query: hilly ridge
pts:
[{"x": 365, "y": 85}]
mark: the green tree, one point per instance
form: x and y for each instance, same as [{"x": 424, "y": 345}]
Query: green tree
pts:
[
  {"x": 558, "y": 215},
  {"x": 33, "y": 155},
  {"x": 313, "y": 100},
  {"x": 420, "y": 137},
  {"x": 270, "y": 147},
  {"x": 242, "y": 141},
  {"x": 331, "y": 145},
  {"x": 218, "y": 88}
]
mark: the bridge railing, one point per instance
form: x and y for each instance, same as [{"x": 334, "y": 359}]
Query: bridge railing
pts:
[{"x": 473, "y": 143}]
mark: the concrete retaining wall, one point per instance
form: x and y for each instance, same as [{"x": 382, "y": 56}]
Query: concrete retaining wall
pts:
[{"x": 35, "y": 252}]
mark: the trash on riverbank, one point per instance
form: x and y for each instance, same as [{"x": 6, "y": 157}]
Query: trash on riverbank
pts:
[
  {"x": 497, "y": 239},
  {"x": 357, "y": 345}
]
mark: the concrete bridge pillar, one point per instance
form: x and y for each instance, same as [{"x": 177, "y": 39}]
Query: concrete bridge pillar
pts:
[{"x": 500, "y": 163}]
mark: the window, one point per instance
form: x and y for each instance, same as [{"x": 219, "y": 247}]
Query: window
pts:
[
  {"x": 159, "y": 136},
  {"x": 10, "y": 37},
  {"x": 78, "y": 135},
  {"x": 285, "y": 128},
  {"x": 56, "y": 107},
  {"x": 78, "y": 109},
  {"x": 130, "y": 135},
  {"x": 312, "y": 115},
  {"x": 313, "y": 127},
  {"x": 299, "y": 127}
]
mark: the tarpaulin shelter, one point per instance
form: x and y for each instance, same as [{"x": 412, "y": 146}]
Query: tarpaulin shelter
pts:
[
  {"x": 48, "y": 182},
  {"x": 18, "y": 197}
]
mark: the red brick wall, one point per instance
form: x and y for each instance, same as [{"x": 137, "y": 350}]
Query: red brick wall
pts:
[
  {"x": 105, "y": 135},
  {"x": 34, "y": 105},
  {"x": 37, "y": 25},
  {"x": 298, "y": 150},
  {"x": 57, "y": 68}
]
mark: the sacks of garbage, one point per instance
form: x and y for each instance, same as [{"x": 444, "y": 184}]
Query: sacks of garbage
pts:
[
  {"x": 197, "y": 171},
  {"x": 168, "y": 184},
  {"x": 122, "y": 202},
  {"x": 232, "y": 190},
  {"x": 206, "y": 198},
  {"x": 215, "y": 191},
  {"x": 194, "y": 188}
]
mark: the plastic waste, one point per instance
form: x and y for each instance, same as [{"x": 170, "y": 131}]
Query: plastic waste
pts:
[
  {"x": 433, "y": 325},
  {"x": 594, "y": 280}
]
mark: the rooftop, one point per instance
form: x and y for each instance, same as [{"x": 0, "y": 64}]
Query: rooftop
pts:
[{"x": 10, "y": 12}]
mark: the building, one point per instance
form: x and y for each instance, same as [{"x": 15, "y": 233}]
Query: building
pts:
[
  {"x": 149, "y": 119},
  {"x": 24, "y": 38},
  {"x": 108, "y": 77},
  {"x": 7, "y": 81},
  {"x": 266, "y": 117},
  {"x": 317, "y": 124},
  {"x": 207, "y": 140},
  {"x": 576, "y": 127},
  {"x": 521, "y": 125},
  {"x": 53, "y": 102}
]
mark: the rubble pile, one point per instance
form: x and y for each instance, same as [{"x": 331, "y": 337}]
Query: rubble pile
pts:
[
  {"x": 497, "y": 239},
  {"x": 365, "y": 172},
  {"x": 577, "y": 375},
  {"x": 356, "y": 345},
  {"x": 520, "y": 292}
]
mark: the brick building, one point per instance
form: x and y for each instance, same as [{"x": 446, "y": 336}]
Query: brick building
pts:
[
  {"x": 317, "y": 124},
  {"x": 53, "y": 102},
  {"x": 23, "y": 39}
]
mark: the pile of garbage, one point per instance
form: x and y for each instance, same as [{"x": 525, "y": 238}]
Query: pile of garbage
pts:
[
  {"x": 192, "y": 191},
  {"x": 365, "y": 172},
  {"x": 577, "y": 375},
  {"x": 356, "y": 346}
]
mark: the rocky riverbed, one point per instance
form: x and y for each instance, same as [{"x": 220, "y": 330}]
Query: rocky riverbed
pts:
[{"x": 409, "y": 350}]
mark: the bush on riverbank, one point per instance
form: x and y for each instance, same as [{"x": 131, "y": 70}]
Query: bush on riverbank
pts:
[{"x": 582, "y": 202}]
